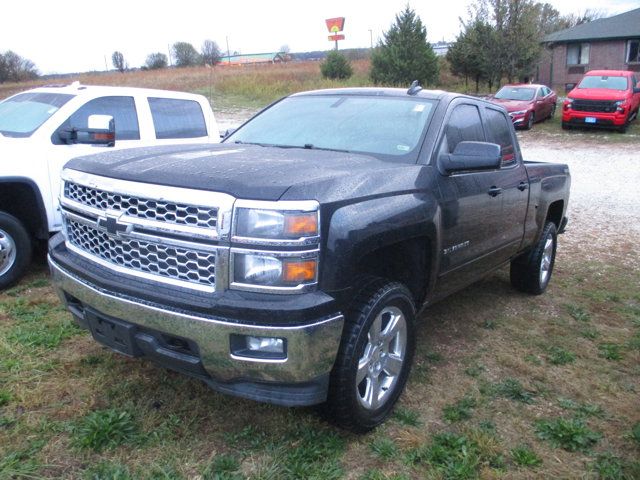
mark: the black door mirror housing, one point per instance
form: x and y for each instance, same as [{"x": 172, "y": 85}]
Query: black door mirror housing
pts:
[
  {"x": 101, "y": 131},
  {"x": 471, "y": 156}
]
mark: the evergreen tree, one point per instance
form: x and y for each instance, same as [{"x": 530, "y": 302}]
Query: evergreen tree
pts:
[
  {"x": 336, "y": 66},
  {"x": 405, "y": 55}
]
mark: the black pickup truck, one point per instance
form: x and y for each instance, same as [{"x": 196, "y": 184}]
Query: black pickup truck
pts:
[{"x": 289, "y": 263}]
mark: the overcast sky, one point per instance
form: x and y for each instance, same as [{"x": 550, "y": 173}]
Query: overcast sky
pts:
[{"x": 73, "y": 36}]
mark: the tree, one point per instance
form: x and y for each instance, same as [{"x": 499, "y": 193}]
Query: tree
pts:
[
  {"x": 336, "y": 66},
  {"x": 14, "y": 68},
  {"x": 117, "y": 58},
  {"x": 470, "y": 55},
  {"x": 210, "y": 53},
  {"x": 185, "y": 54},
  {"x": 156, "y": 61},
  {"x": 405, "y": 55}
]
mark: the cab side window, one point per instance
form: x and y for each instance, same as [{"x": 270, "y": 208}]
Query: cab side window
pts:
[
  {"x": 499, "y": 131},
  {"x": 175, "y": 118},
  {"x": 122, "y": 109},
  {"x": 464, "y": 125}
]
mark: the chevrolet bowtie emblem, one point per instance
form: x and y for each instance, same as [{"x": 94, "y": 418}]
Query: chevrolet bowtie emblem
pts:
[{"x": 112, "y": 225}]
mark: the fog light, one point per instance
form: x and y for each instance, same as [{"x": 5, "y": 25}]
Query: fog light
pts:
[
  {"x": 265, "y": 344},
  {"x": 258, "y": 348}
]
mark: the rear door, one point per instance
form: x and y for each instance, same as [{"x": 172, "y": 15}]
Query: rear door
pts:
[
  {"x": 512, "y": 179},
  {"x": 177, "y": 120}
]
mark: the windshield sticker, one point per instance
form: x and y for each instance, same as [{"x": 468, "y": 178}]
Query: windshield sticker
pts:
[
  {"x": 403, "y": 148},
  {"x": 419, "y": 108}
]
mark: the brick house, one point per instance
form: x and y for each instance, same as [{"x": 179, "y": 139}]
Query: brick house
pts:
[{"x": 606, "y": 44}]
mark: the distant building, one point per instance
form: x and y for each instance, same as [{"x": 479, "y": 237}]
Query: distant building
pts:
[
  {"x": 254, "y": 59},
  {"x": 441, "y": 48},
  {"x": 606, "y": 44}
]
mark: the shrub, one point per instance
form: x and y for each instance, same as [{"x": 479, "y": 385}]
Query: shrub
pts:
[{"x": 336, "y": 66}]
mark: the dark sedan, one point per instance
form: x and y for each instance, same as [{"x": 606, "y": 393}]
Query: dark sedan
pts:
[{"x": 527, "y": 103}]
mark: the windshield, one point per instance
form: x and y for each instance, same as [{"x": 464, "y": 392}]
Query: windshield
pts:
[
  {"x": 516, "y": 93},
  {"x": 22, "y": 114},
  {"x": 387, "y": 126},
  {"x": 610, "y": 83}
]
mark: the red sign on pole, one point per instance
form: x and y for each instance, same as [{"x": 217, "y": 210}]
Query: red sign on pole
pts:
[
  {"x": 335, "y": 25},
  {"x": 336, "y": 37}
]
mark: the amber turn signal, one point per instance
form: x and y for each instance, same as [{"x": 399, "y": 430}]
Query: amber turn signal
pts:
[
  {"x": 301, "y": 224},
  {"x": 300, "y": 271}
]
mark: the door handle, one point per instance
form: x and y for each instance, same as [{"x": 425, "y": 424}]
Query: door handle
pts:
[
  {"x": 494, "y": 191},
  {"x": 522, "y": 186}
]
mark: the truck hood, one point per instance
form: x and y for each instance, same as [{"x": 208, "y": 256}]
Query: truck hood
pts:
[
  {"x": 597, "y": 94},
  {"x": 250, "y": 171},
  {"x": 512, "y": 105}
]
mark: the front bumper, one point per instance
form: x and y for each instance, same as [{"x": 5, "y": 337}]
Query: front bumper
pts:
[
  {"x": 200, "y": 346},
  {"x": 579, "y": 118}
]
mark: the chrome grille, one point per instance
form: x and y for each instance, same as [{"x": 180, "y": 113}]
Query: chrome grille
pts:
[
  {"x": 182, "y": 264},
  {"x": 159, "y": 210}
]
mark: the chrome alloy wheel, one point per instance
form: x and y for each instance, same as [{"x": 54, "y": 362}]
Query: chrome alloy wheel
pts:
[
  {"x": 545, "y": 263},
  {"x": 7, "y": 252},
  {"x": 381, "y": 363}
]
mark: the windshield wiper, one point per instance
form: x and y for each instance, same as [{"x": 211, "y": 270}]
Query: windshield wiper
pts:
[{"x": 310, "y": 146}]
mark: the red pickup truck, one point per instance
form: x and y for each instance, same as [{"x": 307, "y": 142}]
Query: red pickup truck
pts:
[{"x": 603, "y": 98}]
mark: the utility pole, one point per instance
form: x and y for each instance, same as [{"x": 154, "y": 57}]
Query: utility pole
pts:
[
  {"x": 169, "y": 50},
  {"x": 228, "y": 54},
  {"x": 371, "y": 37}
]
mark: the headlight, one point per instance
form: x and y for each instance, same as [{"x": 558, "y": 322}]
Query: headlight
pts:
[
  {"x": 272, "y": 224},
  {"x": 274, "y": 269},
  {"x": 520, "y": 112}
]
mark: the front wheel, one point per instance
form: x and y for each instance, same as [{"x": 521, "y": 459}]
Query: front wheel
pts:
[
  {"x": 374, "y": 358},
  {"x": 531, "y": 271},
  {"x": 15, "y": 250},
  {"x": 530, "y": 122}
]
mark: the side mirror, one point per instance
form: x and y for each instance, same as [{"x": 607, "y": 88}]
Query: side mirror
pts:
[
  {"x": 227, "y": 132},
  {"x": 101, "y": 131},
  {"x": 471, "y": 156}
]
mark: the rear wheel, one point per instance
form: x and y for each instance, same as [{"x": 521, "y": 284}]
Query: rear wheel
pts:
[
  {"x": 553, "y": 111},
  {"x": 375, "y": 357},
  {"x": 531, "y": 271},
  {"x": 15, "y": 250}
]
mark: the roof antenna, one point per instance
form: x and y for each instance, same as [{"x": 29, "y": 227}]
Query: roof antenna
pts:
[{"x": 414, "y": 88}]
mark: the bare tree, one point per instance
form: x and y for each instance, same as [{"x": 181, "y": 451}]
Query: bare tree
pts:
[
  {"x": 117, "y": 58},
  {"x": 14, "y": 68},
  {"x": 210, "y": 53}
]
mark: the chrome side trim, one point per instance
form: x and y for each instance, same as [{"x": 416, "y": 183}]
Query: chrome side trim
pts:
[
  {"x": 305, "y": 287},
  {"x": 311, "y": 348}
]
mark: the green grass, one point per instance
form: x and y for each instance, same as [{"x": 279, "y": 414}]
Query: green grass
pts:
[
  {"x": 582, "y": 409},
  {"x": 104, "y": 429},
  {"x": 560, "y": 356},
  {"x": 512, "y": 389},
  {"x": 635, "y": 433},
  {"x": 610, "y": 351},
  {"x": 569, "y": 434},
  {"x": 524, "y": 456},
  {"x": 407, "y": 417},
  {"x": 461, "y": 410},
  {"x": 384, "y": 448}
]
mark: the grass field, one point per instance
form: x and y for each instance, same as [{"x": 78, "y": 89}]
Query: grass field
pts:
[{"x": 504, "y": 385}]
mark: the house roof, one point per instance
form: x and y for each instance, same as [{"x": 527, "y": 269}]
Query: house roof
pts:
[
  {"x": 251, "y": 57},
  {"x": 624, "y": 25}
]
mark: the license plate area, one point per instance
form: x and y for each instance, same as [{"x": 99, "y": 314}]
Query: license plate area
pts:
[
  {"x": 590, "y": 120},
  {"x": 113, "y": 333}
]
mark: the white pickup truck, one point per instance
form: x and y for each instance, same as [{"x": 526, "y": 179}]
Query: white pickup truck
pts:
[{"x": 43, "y": 128}]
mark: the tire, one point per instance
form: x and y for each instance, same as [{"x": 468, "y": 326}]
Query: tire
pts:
[
  {"x": 623, "y": 128},
  {"x": 529, "y": 125},
  {"x": 553, "y": 112},
  {"x": 15, "y": 250},
  {"x": 566, "y": 126},
  {"x": 531, "y": 271},
  {"x": 371, "y": 370}
]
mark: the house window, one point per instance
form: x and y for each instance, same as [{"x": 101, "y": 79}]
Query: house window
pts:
[
  {"x": 633, "y": 51},
  {"x": 578, "y": 54}
]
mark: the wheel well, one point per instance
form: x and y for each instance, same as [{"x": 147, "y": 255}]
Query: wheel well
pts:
[
  {"x": 554, "y": 214},
  {"x": 406, "y": 262},
  {"x": 20, "y": 200}
]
